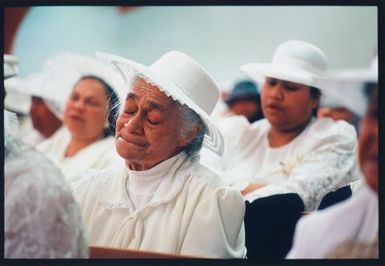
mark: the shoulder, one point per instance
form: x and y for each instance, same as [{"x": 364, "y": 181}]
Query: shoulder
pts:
[
  {"x": 326, "y": 127},
  {"x": 211, "y": 185},
  {"x": 59, "y": 138},
  {"x": 96, "y": 181},
  {"x": 34, "y": 182},
  {"x": 327, "y": 132}
]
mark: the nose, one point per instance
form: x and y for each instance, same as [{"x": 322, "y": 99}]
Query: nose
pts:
[
  {"x": 78, "y": 104},
  {"x": 134, "y": 125},
  {"x": 276, "y": 92}
]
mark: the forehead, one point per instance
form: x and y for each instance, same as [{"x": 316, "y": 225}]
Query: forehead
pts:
[
  {"x": 90, "y": 87},
  {"x": 145, "y": 91},
  {"x": 291, "y": 83}
]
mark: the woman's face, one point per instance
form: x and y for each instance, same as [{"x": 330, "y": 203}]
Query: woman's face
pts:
[
  {"x": 368, "y": 143},
  {"x": 285, "y": 104},
  {"x": 86, "y": 110},
  {"x": 147, "y": 128}
]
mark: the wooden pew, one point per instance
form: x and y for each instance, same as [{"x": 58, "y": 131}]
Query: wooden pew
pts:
[{"x": 99, "y": 252}]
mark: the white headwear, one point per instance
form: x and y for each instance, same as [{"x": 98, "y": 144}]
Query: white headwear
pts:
[
  {"x": 295, "y": 61},
  {"x": 346, "y": 86},
  {"x": 183, "y": 79},
  {"x": 10, "y": 66},
  {"x": 60, "y": 74}
]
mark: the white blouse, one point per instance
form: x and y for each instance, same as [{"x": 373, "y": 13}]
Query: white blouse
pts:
[
  {"x": 97, "y": 155},
  {"x": 320, "y": 233},
  {"x": 319, "y": 160},
  {"x": 191, "y": 211}
]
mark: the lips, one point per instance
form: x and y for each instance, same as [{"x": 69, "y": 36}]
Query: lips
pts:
[
  {"x": 274, "y": 107},
  {"x": 132, "y": 140},
  {"x": 76, "y": 118}
]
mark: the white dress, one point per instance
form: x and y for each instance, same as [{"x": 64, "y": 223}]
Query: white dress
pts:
[
  {"x": 321, "y": 159},
  {"x": 41, "y": 217},
  {"x": 190, "y": 212},
  {"x": 320, "y": 233},
  {"x": 97, "y": 155}
]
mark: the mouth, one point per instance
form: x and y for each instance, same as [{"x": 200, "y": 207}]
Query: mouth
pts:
[
  {"x": 130, "y": 141},
  {"x": 76, "y": 118},
  {"x": 274, "y": 107}
]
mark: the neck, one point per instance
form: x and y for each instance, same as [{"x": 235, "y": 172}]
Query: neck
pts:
[
  {"x": 139, "y": 166},
  {"x": 280, "y": 137},
  {"x": 76, "y": 144}
]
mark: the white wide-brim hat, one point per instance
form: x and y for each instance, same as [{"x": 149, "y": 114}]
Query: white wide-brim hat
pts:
[
  {"x": 295, "y": 61},
  {"x": 345, "y": 86},
  {"x": 184, "y": 80},
  {"x": 60, "y": 74}
]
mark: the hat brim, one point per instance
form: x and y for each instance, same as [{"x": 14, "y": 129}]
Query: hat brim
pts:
[
  {"x": 353, "y": 75},
  {"x": 129, "y": 69},
  {"x": 346, "y": 86},
  {"x": 259, "y": 71}
]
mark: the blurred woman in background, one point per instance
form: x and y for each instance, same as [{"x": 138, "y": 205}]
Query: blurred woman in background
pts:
[{"x": 86, "y": 139}]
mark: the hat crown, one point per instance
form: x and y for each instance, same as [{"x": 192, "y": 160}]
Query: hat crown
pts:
[
  {"x": 190, "y": 77},
  {"x": 301, "y": 56}
]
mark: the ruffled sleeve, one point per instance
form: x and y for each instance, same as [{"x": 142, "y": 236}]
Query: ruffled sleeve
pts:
[{"x": 327, "y": 163}]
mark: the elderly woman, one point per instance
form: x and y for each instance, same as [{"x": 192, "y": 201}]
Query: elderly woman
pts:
[
  {"x": 162, "y": 199},
  {"x": 349, "y": 229},
  {"x": 85, "y": 140},
  {"x": 289, "y": 151}
]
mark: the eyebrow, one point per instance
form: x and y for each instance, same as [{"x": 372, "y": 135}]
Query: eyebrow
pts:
[
  {"x": 154, "y": 105},
  {"x": 151, "y": 104},
  {"x": 131, "y": 96}
]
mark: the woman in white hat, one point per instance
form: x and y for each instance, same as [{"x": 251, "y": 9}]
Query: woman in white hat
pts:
[
  {"x": 41, "y": 217},
  {"x": 290, "y": 151},
  {"x": 349, "y": 229},
  {"x": 162, "y": 199},
  {"x": 85, "y": 141}
]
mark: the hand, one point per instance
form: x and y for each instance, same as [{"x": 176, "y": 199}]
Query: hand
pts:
[{"x": 251, "y": 188}]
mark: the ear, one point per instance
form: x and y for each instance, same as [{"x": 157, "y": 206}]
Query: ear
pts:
[
  {"x": 189, "y": 137},
  {"x": 316, "y": 99}
]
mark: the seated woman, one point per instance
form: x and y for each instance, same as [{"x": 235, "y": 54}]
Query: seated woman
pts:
[
  {"x": 41, "y": 216},
  {"x": 162, "y": 199},
  {"x": 351, "y": 228},
  {"x": 289, "y": 151},
  {"x": 85, "y": 140}
]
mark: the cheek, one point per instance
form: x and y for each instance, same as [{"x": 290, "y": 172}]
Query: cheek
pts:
[{"x": 164, "y": 141}]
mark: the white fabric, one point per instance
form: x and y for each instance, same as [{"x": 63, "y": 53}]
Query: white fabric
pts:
[
  {"x": 321, "y": 159},
  {"x": 142, "y": 184},
  {"x": 10, "y": 66},
  {"x": 340, "y": 83},
  {"x": 192, "y": 212},
  {"x": 97, "y": 155},
  {"x": 28, "y": 133},
  {"x": 41, "y": 217},
  {"x": 318, "y": 234},
  {"x": 295, "y": 61}
]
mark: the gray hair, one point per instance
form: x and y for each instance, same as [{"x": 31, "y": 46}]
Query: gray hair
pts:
[{"x": 190, "y": 120}]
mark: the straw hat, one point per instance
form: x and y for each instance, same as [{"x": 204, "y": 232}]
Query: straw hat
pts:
[
  {"x": 295, "y": 61},
  {"x": 181, "y": 78}
]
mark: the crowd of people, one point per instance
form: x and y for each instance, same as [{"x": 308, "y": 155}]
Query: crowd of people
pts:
[{"x": 123, "y": 155}]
